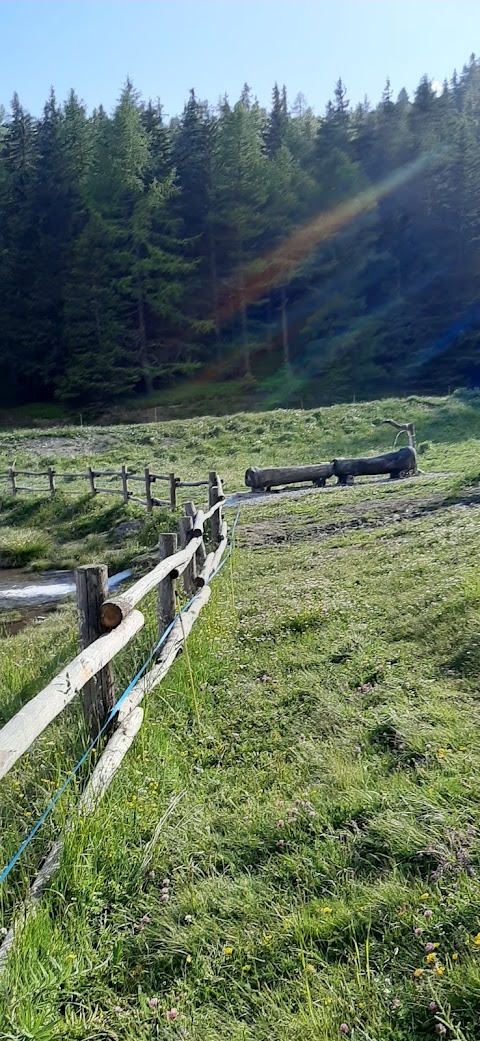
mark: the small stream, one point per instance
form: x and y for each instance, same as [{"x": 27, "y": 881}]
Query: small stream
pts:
[{"x": 26, "y": 597}]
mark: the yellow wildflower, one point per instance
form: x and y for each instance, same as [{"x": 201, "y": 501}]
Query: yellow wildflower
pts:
[
  {"x": 454, "y": 957},
  {"x": 310, "y": 968},
  {"x": 188, "y": 959},
  {"x": 328, "y": 1001},
  {"x": 418, "y": 972},
  {"x": 361, "y": 1004},
  {"x": 72, "y": 956},
  {"x": 430, "y": 958},
  {"x": 424, "y": 896},
  {"x": 439, "y": 969},
  {"x": 227, "y": 951},
  {"x": 246, "y": 968},
  {"x": 267, "y": 939},
  {"x": 476, "y": 939},
  {"x": 326, "y": 910}
]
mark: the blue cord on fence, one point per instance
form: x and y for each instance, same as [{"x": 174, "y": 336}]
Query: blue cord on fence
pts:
[{"x": 113, "y": 712}]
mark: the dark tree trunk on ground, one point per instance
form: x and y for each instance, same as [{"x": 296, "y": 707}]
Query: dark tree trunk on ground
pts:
[
  {"x": 393, "y": 463},
  {"x": 259, "y": 479}
]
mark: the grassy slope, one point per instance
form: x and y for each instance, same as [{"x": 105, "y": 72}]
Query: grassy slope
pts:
[
  {"x": 231, "y": 443},
  {"x": 342, "y": 676},
  {"x": 74, "y": 529}
]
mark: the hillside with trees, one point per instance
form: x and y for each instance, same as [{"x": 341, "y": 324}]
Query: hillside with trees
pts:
[{"x": 328, "y": 256}]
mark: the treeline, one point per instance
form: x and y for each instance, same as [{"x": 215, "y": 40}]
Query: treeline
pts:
[{"x": 328, "y": 256}]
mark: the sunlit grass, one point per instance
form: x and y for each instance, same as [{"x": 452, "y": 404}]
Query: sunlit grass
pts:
[
  {"x": 326, "y": 838},
  {"x": 78, "y": 529}
]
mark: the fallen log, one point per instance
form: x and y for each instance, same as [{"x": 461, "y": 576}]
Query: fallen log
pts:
[
  {"x": 396, "y": 464},
  {"x": 259, "y": 480}
]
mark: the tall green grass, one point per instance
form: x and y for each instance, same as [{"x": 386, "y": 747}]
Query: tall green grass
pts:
[
  {"x": 323, "y": 810},
  {"x": 20, "y": 546},
  {"x": 319, "y": 805}
]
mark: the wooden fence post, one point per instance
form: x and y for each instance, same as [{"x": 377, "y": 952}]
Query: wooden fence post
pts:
[
  {"x": 91, "y": 480},
  {"x": 173, "y": 492},
  {"x": 11, "y": 474},
  {"x": 189, "y": 575},
  {"x": 167, "y": 545},
  {"x": 148, "y": 490},
  {"x": 124, "y": 484},
  {"x": 200, "y": 555},
  {"x": 51, "y": 480},
  {"x": 214, "y": 494},
  {"x": 99, "y": 693}
]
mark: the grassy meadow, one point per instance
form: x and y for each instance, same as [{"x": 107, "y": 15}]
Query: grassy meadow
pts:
[
  {"x": 315, "y": 872},
  {"x": 73, "y": 528}
]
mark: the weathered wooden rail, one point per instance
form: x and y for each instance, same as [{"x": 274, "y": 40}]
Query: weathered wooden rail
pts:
[
  {"x": 118, "y": 621},
  {"x": 125, "y": 476}
]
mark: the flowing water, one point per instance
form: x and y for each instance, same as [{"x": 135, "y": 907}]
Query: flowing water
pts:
[{"x": 25, "y": 597}]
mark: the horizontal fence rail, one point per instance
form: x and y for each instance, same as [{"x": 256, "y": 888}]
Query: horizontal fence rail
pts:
[
  {"x": 124, "y": 622},
  {"x": 20, "y": 732},
  {"x": 120, "y": 623},
  {"x": 125, "y": 476}
]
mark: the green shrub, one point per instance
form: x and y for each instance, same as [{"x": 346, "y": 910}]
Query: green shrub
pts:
[{"x": 19, "y": 546}]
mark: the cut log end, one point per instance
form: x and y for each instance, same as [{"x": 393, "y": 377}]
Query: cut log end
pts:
[{"x": 113, "y": 612}]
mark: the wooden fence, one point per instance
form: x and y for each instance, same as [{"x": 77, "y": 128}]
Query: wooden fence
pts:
[
  {"x": 125, "y": 476},
  {"x": 106, "y": 626}
]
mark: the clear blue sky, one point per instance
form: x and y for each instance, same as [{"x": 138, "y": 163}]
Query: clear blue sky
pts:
[{"x": 168, "y": 46}]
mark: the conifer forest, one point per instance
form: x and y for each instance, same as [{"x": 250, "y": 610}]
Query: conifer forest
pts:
[{"x": 332, "y": 255}]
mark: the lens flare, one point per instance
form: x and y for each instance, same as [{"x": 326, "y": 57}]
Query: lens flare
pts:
[
  {"x": 281, "y": 263},
  {"x": 250, "y": 283}
]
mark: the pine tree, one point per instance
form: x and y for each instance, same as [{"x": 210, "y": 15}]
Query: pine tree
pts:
[
  {"x": 18, "y": 255},
  {"x": 159, "y": 140},
  {"x": 154, "y": 271},
  {"x": 301, "y": 133},
  {"x": 192, "y": 157},
  {"x": 277, "y": 121},
  {"x": 59, "y": 169},
  {"x": 239, "y": 193}
]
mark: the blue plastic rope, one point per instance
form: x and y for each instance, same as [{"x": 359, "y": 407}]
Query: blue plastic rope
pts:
[{"x": 26, "y": 842}]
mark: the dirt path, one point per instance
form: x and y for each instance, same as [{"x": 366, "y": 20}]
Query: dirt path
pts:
[{"x": 366, "y": 515}]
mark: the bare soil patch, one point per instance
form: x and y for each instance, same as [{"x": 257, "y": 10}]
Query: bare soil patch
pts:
[{"x": 366, "y": 515}]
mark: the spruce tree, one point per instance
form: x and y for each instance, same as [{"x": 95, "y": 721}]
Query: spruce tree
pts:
[
  {"x": 18, "y": 256},
  {"x": 239, "y": 194}
]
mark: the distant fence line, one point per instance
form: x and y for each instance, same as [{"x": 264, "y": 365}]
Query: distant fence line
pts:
[{"x": 125, "y": 476}]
